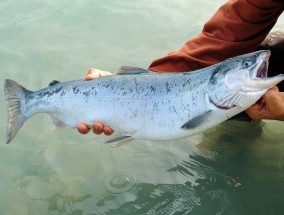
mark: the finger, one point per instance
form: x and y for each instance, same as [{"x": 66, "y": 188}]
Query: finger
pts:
[
  {"x": 91, "y": 70},
  {"x": 83, "y": 128},
  {"x": 271, "y": 106},
  {"x": 92, "y": 74},
  {"x": 253, "y": 111},
  {"x": 275, "y": 103},
  {"x": 273, "y": 89},
  {"x": 258, "y": 111},
  {"x": 90, "y": 77},
  {"x": 107, "y": 131},
  {"x": 98, "y": 128},
  {"x": 272, "y": 97}
]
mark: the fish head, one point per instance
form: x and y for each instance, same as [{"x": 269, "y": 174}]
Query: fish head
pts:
[{"x": 242, "y": 80}]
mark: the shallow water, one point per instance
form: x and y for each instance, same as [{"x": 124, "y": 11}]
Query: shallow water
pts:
[{"x": 234, "y": 168}]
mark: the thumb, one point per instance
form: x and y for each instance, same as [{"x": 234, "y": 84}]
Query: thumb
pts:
[
  {"x": 271, "y": 96},
  {"x": 274, "y": 101}
]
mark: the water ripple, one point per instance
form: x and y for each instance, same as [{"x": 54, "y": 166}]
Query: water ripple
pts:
[
  {"x": 120, "y": 182},
  {"x": 22, "y": 12}
]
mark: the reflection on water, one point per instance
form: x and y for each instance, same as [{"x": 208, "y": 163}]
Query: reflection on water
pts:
[
  {"x": 234, "y": 168},
  {"x": 217, "y": 173}
]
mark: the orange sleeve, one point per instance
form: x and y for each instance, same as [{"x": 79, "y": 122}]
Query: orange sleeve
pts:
[{"x": 238, "y": 27}]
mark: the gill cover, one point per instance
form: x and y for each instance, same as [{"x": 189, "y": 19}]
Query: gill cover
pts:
[{"x": 225, "y": 86}]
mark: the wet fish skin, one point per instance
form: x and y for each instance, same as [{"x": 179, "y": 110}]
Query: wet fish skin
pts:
[{"x": 142, "y": 104}]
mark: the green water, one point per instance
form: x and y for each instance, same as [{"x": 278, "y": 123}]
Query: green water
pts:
[{"x": 234, "y": 168}]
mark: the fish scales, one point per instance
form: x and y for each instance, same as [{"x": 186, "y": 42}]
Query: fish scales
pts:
[
  {"x": 147, "y": 105},
  {"x": 146, "y": 99}
]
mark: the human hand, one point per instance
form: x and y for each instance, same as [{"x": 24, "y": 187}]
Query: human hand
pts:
[
  {"x": 96, "y": 73},
  {"x": 270, "y": 106},
  {"x": 98, "y": 128}
]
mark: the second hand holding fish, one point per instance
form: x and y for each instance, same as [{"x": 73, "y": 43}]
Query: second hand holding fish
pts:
[
  {"x": 270, "y": 106},
  {"x": 98, "y": 128}
]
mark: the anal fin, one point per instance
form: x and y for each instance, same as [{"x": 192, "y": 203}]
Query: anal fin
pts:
[
  {"x": 119, "y": 141},
  {"x": 58, "y": 123}
]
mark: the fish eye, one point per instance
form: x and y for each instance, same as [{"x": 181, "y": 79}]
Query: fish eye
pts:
[{"x": 247, "y": 63}]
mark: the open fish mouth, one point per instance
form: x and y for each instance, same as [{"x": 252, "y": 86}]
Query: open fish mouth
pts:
[
  {"x": 259, "y": 80},
  {"x": 262, "y": 69}
]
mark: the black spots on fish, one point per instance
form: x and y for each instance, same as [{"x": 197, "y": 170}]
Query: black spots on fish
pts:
[
  {"x": 106, "y": 86},
  {"x": 168, "y": 88},
  {"x": 58, "y": 90},
  {"x": 135, "y": 82},
  {"x": 152, "y": 88},
  {"x": 76, "y": 90},
  {"x": 187, "y": 81},
  {"x": 129, "y": 91},
  {"x": 93, "y": 91},
  {"x": 101, "y": 85},
  {"x": 87, "y": 93},
  {"x": 49, "y": 93},
  {"x": 63, "y": 93}
]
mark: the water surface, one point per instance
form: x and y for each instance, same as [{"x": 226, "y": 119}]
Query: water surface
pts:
[{"x": 234, "y": 168}]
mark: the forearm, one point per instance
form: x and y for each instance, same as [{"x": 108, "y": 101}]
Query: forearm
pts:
[{"x": 238, "y": 27}]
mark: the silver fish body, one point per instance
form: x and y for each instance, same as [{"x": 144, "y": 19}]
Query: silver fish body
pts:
[{"x": 141, "y": 104}]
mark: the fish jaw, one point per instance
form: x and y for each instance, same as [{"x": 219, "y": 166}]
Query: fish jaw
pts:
[
  {"x": 247, "y": 79},
  {"x": 244, "y": 82},
  {"x": 260, "y": 70},
  {"x": 259, "y": 83},
  {"x": 258, "y": 80}
]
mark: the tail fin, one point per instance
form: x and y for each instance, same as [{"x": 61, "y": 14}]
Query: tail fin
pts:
[{"x": 15, "y": 94}]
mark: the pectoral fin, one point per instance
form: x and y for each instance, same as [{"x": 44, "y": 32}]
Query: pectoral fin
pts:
[
  {"x": 120, "y": 141},
  {"x": 196, "y": 121}
]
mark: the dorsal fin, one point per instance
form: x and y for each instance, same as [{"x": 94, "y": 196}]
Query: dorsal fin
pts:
[
  {"x": 53, "y": 83},
  {"x": 129, "y": 70}
]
